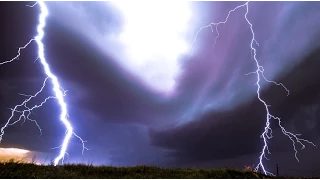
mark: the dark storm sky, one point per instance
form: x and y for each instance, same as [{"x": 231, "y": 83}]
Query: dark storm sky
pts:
[{"x": 214, "y": 118}]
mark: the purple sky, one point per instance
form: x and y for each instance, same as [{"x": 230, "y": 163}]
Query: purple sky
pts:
[{"x": 213, "y": 118}]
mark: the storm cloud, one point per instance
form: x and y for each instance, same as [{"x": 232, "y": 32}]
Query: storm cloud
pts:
[{"x": 213, "y": 115}]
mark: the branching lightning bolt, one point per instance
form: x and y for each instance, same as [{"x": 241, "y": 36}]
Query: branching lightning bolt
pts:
[
  {"x": 58, "y": 91},
  {"x": 267, "y": 133}
]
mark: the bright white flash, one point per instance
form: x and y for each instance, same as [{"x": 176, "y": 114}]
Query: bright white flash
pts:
[
  {"x": 58, "y": 91},
  {"x": 154, "y": 36}
]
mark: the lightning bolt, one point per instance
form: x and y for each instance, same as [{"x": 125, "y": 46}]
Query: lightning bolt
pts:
[
  {"x": 58, "y": 91},
  {"x": 267, "y": 133}
]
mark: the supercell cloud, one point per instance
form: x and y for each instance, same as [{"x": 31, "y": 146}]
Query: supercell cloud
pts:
[{"x": 139, "y": 96}]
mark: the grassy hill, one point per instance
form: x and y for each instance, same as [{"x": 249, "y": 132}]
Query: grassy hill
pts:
[{"x": 71, "y": 171}]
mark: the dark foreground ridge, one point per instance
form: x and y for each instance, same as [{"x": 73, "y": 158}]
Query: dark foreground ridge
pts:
[{"x": 78, "y": 171}]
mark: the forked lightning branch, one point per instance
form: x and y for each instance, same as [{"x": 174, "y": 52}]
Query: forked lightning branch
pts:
[{"x": 59, "y": 93}]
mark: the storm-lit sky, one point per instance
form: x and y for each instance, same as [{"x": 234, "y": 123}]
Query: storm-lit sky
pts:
[{"x": 140, "y": 93}]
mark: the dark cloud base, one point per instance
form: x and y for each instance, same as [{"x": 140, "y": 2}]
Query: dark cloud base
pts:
[
  {"x": 126, "y": 123},
  {"x": 236, "y": 132}
]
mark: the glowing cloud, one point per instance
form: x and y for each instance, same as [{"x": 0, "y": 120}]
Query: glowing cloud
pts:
[
  {"x": 7, "y": 154},
  {"x": 148, "y": 27},
  {"x": 15, "y": 151}
]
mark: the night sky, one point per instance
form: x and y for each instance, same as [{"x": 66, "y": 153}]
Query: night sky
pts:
[{"x": 135, "y": 104}]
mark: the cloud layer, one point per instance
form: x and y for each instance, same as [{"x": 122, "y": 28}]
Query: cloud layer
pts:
[{"x": 213, "y": 114}]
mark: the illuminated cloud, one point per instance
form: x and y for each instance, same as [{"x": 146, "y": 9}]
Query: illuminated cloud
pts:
[
  {"x": 7, "y": 154},
  {"x": 223, "y": 117},
  {"x": 136, "y": 35},
  {"x": 147, "y": 29}
]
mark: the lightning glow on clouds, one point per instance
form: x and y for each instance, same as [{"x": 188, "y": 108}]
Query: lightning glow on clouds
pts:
[
  {"x": 16, "y": 154},
  {"x": 153, "y": 41},
  {"x": 149, "y": 26},
  {"x": 135, "y": 35}
]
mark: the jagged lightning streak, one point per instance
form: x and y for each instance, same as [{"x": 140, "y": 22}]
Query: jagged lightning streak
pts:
[
  {"x": 267, "y": 133},
  {"x": 58, "y": 91}
]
